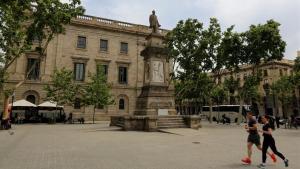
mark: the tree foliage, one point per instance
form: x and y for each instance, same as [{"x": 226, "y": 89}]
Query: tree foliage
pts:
[
  {"x": 24, "y": 21},
  {"x": 62, "y": 90},
  {"x": 219, "y": 94},
  {"x": 284, "y": 90},
  {"x": 198, "y": 50},
  {"x": 296, "y": 67},
  {"x": 249, "y": 90},
  {"x": 263, "y": 42},
  {"x": 97, "y": 92}
]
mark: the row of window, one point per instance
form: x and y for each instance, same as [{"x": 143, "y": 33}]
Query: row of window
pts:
[
  {"x": 81, "y": 44},
  {"x": 79, "y": 72},
  {"x": 33, "y": 71}
]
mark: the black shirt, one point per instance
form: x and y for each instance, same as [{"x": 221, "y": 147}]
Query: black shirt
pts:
[
  {"x": 251, "y": 123},
  {"x": 266, "y": 127}
]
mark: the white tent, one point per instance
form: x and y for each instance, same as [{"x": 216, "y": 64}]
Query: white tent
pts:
[
  {"x": 22, "y": 103},
  {"x": 50, "y": 104}
]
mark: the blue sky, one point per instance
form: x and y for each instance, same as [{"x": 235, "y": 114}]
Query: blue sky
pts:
[{"x": 240, "y": 13}]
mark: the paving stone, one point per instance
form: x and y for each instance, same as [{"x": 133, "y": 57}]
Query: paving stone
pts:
[{"x": 97, "y": 147}]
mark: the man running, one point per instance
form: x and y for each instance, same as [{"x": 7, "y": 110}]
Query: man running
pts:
[{"x": 253, "y": 138}]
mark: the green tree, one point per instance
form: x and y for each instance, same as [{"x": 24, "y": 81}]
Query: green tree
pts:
[
  {"x": 231, "y": 85},
  {"x": 263, "y": 43},
  {"x": 296, "y": 67},
  {"x": 219, "y": 94},
  {"x": 62, "y": 89},
  {"x": 97, "y": 92},
  {"x": 195, "y": 50},
  {"x": 231, "y": 49},
  {"x": 27, "y": 20},
  {"x": 183, "y": 43},
  {"x": 295, "y": 80},
  {"x": 248, "y": 92},
  {"x": 284, "y": 90}
]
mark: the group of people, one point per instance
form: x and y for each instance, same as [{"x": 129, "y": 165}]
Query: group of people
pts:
[{"x": 269, "y": 141}]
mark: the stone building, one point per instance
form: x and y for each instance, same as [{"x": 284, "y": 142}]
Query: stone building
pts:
[
  {"x": 89, "y": 43},
  {"x": 271, "y": 72}
]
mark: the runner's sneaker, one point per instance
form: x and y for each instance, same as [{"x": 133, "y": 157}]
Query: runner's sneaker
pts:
[
  {"x": 262, "y": 166},
  {"x": 273, "y": 157},
  {"x": 286, "y": 162},
  {"x": 246, "y": 160}
]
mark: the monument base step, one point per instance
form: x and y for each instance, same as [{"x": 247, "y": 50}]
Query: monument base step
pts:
[{"x": 171, "y": 122}]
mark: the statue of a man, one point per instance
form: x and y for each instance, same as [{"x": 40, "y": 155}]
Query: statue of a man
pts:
[{"x": 154, "y": 24}]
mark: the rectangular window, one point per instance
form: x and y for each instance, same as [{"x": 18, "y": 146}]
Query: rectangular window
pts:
[
  {"x": 79, "y": 71},
  {"x": 103, "y": 45},
  {"x": 123, "y": 75},
  {"x": 265, "y": 72},
  {"x": 81, "y": 42},
  {"x": 124, "y": 48},
  {"x": 280, "y": 72},
  {"x": 33, "y": 69},
  {"x": 77, "y": 103},
  {"x": 102, "y": 68}
]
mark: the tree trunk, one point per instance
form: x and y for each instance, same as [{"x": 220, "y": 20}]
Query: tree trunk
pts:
[
  {"x": 298, "y": 101},
  {"x": 210, "y": 110},
  {"x": 94, "y": 114},
  {"x": 5, "y": 108},
  {"x": 239, "y": 118}
]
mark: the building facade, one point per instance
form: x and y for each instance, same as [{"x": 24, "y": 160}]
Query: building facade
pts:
[
  {"x": 271, "y": 72},
  {"x": 89, "y": 44}
]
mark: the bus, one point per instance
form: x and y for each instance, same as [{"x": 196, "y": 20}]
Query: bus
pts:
[{"x": 230, "y": 111}]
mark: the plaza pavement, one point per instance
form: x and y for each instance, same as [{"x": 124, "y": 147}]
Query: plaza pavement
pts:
[{"x": 101, "y": 147}]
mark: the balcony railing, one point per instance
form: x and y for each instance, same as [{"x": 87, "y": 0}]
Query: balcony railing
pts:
[{"x": 114, "y": 23}]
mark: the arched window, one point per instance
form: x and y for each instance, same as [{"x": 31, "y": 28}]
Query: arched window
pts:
[
  {"x": 31, "y": 99},
  {"x": 121, "y": 104}
]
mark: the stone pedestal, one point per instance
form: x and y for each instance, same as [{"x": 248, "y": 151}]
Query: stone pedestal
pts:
[
  {"x": 193, "y": 122},
  {"x": 156, "y": 96},
  {"x": 156, "y": 102}
]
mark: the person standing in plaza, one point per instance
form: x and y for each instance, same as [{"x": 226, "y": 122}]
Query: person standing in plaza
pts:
[
  {"x": 269, "y": 142},
  {"x": 253, "y": 138}
]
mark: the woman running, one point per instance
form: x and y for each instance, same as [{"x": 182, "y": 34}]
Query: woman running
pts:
[{"x": 269, "y": 142}]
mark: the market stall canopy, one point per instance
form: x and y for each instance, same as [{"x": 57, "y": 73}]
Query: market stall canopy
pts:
[
  {"x": 50, "y": 104},
  {"x": 22, "y": 103}
]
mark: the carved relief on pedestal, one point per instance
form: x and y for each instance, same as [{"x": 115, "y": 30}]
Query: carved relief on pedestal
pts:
[{"x": 158, "y": 71}]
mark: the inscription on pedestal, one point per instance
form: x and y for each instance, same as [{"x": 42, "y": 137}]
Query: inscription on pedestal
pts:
[{"x": 163, "y": 112}]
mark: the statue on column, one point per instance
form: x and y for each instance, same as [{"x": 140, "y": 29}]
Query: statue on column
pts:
[{"x": 154, "y": 24}]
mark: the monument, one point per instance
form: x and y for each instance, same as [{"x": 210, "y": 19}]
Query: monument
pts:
[
  {"x": 155, "y": 106},
  {"x": 156, "y": 98}
]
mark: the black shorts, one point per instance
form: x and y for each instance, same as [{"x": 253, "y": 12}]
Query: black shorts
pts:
[{"x": 254, "y": 138}]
